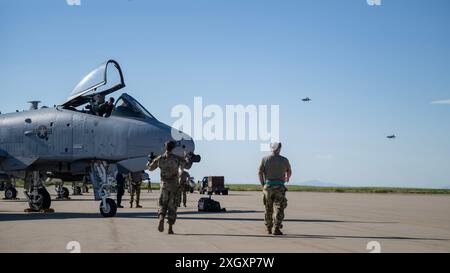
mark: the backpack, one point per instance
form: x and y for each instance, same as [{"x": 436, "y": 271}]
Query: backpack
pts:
[{"x": 206, "y": 204}]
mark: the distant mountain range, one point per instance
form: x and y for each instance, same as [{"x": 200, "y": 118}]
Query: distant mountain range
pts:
[{"x": 318, "y": 183}]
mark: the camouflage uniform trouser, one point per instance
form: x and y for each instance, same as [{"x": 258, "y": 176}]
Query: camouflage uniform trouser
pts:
[
  {"x": 168, "y": 201},
  {"x": 275, "y": 202},
  {"x": 135, "y": 189},
  {"x": 182, "y": 194}
]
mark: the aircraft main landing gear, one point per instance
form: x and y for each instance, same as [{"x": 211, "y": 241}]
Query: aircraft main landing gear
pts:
[
  {"x": 76, "y": 189},
  {"x": 63, "y": 192},
  {"x": 10, "y": 188},
  {"x": 10, "y": 193},
  {"x": 39, "y": 199}
]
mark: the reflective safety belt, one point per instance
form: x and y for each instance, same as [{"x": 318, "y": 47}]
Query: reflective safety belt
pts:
[{"x": 274, "y": 182}]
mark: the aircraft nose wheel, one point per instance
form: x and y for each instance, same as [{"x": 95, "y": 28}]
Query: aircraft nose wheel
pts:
[
  {"x": 109, "y": 209},
  {"x": 10, "y": 193},
  {"x": 41, "y": 201}
]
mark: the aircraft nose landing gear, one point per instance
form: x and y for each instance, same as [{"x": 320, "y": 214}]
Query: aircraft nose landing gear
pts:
[
  {"x": 99, "y": 174},
  {"x": 108, "y": 208}
]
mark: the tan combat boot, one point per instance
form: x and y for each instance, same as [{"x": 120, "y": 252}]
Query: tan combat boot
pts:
[
  {"x": 161, "y": 224},
  {"x": 170, "y": 230},
  {"x": 269, "y": 229}
]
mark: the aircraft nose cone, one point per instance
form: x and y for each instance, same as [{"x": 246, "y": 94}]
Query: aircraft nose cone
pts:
[
  {"x": 188, "y": 145},
  {"x": 184, "y": 145}
]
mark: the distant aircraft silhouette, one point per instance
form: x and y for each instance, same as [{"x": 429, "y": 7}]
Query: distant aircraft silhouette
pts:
[
  {"x": 307, "y": 99},
  {"x": 392, "y": 137}
]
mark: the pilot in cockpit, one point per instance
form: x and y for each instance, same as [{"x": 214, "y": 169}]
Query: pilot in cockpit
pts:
[
  {"x": 106, "y": 108},
  {"x": 93, "y": 107}
]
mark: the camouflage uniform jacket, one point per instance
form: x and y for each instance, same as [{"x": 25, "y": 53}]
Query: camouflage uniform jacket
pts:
[{"x": 169, "y": 164}]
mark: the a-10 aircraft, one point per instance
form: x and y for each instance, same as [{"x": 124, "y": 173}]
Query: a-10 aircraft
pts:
[{"x": 71, "y": 141}]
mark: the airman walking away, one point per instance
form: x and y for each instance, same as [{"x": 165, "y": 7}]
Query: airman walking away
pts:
[
  {"x": 120, "y": 188},
  {"x": 169, "y": 165},
  {"x": 85, "y": 185},
  {"x": 184, "y": 187},
  {"x": 135, "y": 188},
  {"x": 274, "y": 172}
]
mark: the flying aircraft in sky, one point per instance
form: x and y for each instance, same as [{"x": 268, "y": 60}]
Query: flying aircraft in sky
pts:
[{"x": 307, "y": 99}]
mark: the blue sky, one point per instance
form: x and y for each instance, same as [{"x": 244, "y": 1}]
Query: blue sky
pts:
[{"x": 371, "y": 71}]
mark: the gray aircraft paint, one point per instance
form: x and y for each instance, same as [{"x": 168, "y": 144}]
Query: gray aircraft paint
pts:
[{"x": 64, "y": 141}]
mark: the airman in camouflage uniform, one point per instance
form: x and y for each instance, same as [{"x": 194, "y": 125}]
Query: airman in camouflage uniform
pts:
[
  {"x": 169, "y": 165},
  {"x": 274, "y": 172},
  {"x": 184, "y": 187},
  {"x": 135, "y": 188}
]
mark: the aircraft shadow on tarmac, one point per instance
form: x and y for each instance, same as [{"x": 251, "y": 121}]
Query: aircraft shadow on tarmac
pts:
[
  {"x": 144, "y": 214},
  {"x": 125, "y": 200},
  {"x": 182, "y": 215},
  {"x": 75, "y": 199},
  {"x": 312, "y": 236}
]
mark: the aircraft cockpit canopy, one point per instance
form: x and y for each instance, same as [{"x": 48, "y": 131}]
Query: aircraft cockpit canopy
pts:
[
  {"x": 105, "y": 79},
  {"x": 127, "y": 106},
  {"x": 90, "y": 93}
]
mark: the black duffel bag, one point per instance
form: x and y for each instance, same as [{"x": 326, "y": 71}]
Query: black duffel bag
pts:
[{"x": 207, "y": 204}]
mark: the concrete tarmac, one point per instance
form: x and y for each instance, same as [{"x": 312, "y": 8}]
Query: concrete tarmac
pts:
[{"x": 315, "y": 222}]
